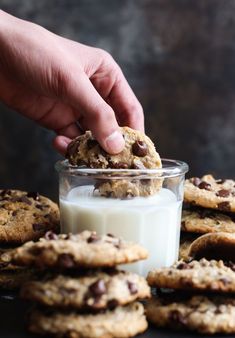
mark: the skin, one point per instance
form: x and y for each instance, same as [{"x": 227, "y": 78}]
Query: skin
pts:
[{"x": 65, "y": 86}]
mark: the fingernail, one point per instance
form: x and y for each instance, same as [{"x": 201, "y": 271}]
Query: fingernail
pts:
[
  {"x": 64, "y": 141},
  {"x": 115, "y": 143}
]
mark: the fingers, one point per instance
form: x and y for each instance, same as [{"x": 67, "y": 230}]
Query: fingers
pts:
[
  {"x": 125, "y": 104},
  {"x": 70, "y": 131},
  {"x": 98, "y": 115},
  {"x": 60, "y": 143}
]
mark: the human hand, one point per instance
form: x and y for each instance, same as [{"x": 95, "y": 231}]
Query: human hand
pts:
[{"x": 58, "y": 82}]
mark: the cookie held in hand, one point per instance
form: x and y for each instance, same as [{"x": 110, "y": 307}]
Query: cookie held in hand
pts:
[{"x": 139, "y": 153}]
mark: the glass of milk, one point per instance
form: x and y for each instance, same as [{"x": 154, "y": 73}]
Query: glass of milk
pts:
[{"x": 152, "y": 221}]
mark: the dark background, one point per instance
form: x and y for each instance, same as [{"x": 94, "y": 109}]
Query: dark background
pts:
[{"x": 179, "y": 57}]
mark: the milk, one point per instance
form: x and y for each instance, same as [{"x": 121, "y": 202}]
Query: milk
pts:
[{"x": 151, "y": 221}]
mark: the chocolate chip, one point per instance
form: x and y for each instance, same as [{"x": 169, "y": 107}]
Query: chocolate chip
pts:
[
  {"x": 98, "y": 288},
  {"x": 204, "y": 185},
  {"x": 112, "y": 304},
  {"x": 50, "y": 235},
  {"x": 117, "y": 243},
  {"x": 25, "y": 199},
  {"x": 224, "y": 206},
  {"x": 223, "y": 193},
  {"x": 38, "y": 226},
  {"x": 183, "y": 266},
  {"x": 93, "y": 238},
  {"x": 132, "y": 287},
  {"x": 118, "y": 165},
  {"x": 33, "y": 194},
  {"x": 15, "y": 212},
  {"x": 66, "y": 261},
  {"x": 69, "y": 236},
  {"x": 91, "y": 143},
  {"x": 139, "y": 148},
  {"x": 195, "y": 181},
  {"x": 22, "y": 199},
  {"x": 110, "y": 235}
]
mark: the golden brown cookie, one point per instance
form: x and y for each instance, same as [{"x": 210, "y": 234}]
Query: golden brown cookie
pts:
[
  {"x": 200, "y": 275},
  {"x": 139, "y": 153},
  {"x": 93, "y": 291},
  {"x": 26, "y": 216},
  {"x": 202, "y": 221},
  {"x": 122, "y": 322},
  {"x": 208, "y": 192},
  {"x": 86, "y": 249},
  {"x": 204, "y": 314}
]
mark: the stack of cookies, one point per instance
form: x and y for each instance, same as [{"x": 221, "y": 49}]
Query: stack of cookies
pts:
[
  {"x": 24, "y": 216},
  {"x": 209, "y": 207},
  {"x": 197, "y": 293},
  {"x": 84, "y": 294}
]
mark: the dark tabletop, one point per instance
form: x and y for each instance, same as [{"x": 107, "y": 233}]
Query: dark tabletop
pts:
[{"x": 12, "y": 322}]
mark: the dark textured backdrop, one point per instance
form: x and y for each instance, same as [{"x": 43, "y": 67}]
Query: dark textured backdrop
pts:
[{"x": 179, "y": 57}]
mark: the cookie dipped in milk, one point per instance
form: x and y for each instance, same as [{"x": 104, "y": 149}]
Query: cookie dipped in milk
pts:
[{"x": 134, "y": 195}]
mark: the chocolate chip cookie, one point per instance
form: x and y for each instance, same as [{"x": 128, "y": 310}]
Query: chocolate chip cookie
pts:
[
  {"x": 97, "y": 290},
  {"x": 201, "y": 275},
  {"x": 122, "y": 322},
  {"x": 139, "y": 153},
  {"x": 26, "y": 216},
  {"x": 199, "y": 220},
  {"x": 86, "y": 249},
  {"x": 218, "y": 245},
  {"x": 204, "y": 314},
  {"x": 208, "y": 192}
]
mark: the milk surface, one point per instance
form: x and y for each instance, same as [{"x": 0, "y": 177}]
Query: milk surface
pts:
[{"x": 151, "y": 221}]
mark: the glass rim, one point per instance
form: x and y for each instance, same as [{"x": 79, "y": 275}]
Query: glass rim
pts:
[{"x": 170, "y": 168}]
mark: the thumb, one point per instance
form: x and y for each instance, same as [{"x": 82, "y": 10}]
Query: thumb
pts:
[{"x": 98, "y": 115}]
